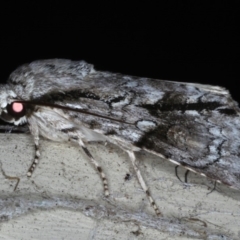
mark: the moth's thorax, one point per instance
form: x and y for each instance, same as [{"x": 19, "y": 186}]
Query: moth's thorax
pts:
[{"x": 34, "y": 80}]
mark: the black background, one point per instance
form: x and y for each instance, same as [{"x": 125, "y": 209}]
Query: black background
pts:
[{"x": 180, "y": 41}]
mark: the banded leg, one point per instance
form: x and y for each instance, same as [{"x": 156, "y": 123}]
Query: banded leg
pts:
[
  {"x": 142, "y": 182},
  {"x": 36, "y": 157},
  {"x": 97, "y": 166}
]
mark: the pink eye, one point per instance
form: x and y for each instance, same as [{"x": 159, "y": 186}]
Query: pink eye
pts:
[{"x": 17, "y": 107}]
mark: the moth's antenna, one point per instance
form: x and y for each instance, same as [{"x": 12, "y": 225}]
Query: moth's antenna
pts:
[{"x": 73, "y": 110}]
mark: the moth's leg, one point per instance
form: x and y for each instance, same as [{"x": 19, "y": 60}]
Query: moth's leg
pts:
[
  {"x": 142, "y": 182},
  {"x": 97, "y": 166},
  {"x": 36, "y": 157},
  {"x": 214, "y": 187},
  {"x": 33, "y": 127}
]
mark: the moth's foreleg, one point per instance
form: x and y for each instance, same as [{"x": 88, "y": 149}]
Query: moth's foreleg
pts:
[
  {"x": 142, "y": 182},
  {"x": 36, "y": 157},
  {"x": 97, "y": 166}
]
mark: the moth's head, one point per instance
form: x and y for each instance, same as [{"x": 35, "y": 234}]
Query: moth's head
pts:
[{"x": 10, "y": 110}]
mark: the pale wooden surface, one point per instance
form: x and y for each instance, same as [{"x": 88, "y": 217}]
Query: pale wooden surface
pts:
[{"x": 64, "y": 198}]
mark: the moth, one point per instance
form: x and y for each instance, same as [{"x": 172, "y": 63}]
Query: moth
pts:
[{"x": 193, "y": 125}]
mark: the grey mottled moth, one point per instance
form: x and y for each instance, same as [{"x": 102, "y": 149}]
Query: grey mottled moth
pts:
[{"x": 193, "y": 125}]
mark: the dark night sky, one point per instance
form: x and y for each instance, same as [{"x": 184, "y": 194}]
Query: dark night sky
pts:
[{"x": 176, "y": 41}]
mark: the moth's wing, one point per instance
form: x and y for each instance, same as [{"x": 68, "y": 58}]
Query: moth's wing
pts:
[
  {"x": 208, "y": 143},
  {"x": 198, "y": 127},
  {"x": 192, "y": 124}
]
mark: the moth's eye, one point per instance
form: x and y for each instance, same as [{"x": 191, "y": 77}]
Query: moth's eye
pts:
[{"x": 16, "y": 109}]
